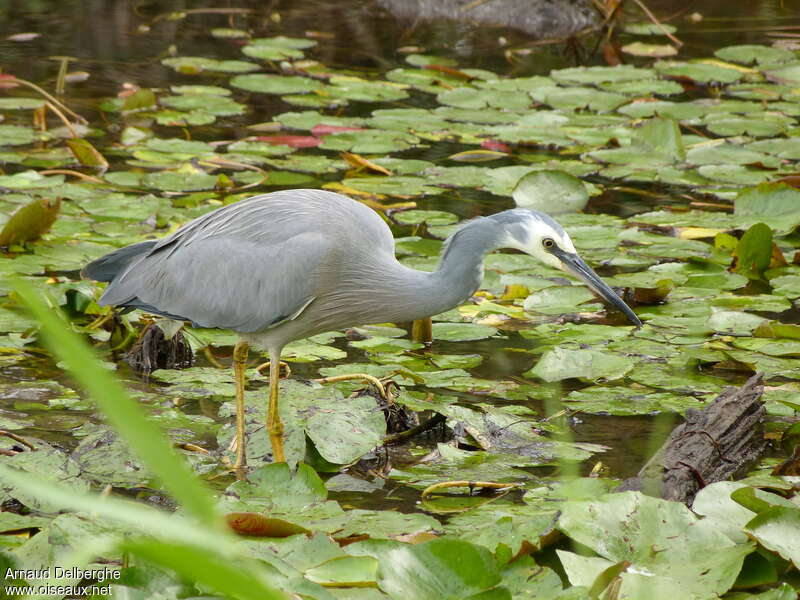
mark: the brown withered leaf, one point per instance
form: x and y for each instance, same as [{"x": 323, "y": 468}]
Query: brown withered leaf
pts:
[
  {"x": 359, "y": 162},
  {"x": 258, "y": 525}
]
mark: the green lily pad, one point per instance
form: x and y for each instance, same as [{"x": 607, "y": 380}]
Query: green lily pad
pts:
[
  {"x": 630, "y": 526},
  {"x": 789, "y": 74},
  {"x": 364, "y": 90},
  {"x": 21, "y": 103},
  {"x": 276, "y": 84},
  {"x": 578, "y": 98},
  {"x": 698, "y": 71},
  {"x": 471, "y": 98},
  {"x": 210, "y": 103},
  {"x": 559, "y": 300},
  {"x": 15, "y": 135},
  {"x": 278, "y": 486},
  {"x": 649, "y": 28},
  {"x": 345, "y": 571},
  {"x": 629, "y": 401},
  {"x": 602, "y": 74},
  {"x": 552, "y": 192},
  {"x": 461, "y": 332},
  {"x": 777, "y": 205},
  {"x": 559, "y": 363},
  {"x": 651, "y": 50},
  {"x": 645, "y": 87},
  {"x": 752, "y": 53},
  {"x": 778, "y": 529},
  {"x": 448, "y": 569},
  {"x": 173, "y": 181},
  {"x": 192, "y": 65},
  {"x": 728, "y": 154}
]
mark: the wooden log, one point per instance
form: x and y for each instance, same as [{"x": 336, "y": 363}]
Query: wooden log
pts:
[{"x": 722, "y": 441}]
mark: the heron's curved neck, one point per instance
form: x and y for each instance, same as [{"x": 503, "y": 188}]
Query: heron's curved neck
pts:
[{"x": 460, "y": 269}]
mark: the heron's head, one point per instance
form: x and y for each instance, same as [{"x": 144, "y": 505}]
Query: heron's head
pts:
[{"x": 539, "y": 235}]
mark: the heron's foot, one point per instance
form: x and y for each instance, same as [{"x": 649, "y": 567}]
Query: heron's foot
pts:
[
  {"x": 285, "y": 375},
  {"x": 239, "y": 467},
  {"x": 240, "y": 472},
  {"x": 16, "y": 438},
  {"x": 378, "y": 384}
]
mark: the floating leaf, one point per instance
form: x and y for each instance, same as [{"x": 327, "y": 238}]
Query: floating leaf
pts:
[
  {"x": 477, "y": 156},
  {"x": 778, "y": 529},
  {"x": 777, "y": 205},
  {"x": 276, "y": 84},
  {"x": 345, "y": 571},
  {"x": 664, "y": 542},
  {"x": 445, "y": 569},
  {"x": 652, "y": 50},
  {"x": 648, "y": 28},
  {"x": 697, "y": 71},
  {"x": 15, "y": 135},
  {"x": 21, "y": 103},
  {"x": 754, "y": 251},
  {"x": 191, "y": 65},
  {"x": 30, "y": 221},
  {"x": 565, "y": 363},
  {"x": 751, "y": 53},
  {"x": 87, "y": 154}
]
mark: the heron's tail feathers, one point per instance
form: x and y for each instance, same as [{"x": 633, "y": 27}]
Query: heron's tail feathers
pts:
[{"x": 107, "y": 267}]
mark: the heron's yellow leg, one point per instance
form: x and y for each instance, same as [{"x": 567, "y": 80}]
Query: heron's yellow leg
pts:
[
  {"x": 240, "y": 352},
  {"x": 274, "y": 423},
  {"x": 422, "y": 331},
  {"x": 361, "y": 376}
]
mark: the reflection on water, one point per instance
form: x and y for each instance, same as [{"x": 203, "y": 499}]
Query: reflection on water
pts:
[{"x": 123, "y": 40}]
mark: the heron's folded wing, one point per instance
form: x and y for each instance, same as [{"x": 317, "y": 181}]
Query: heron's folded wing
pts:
[{"x": 228, "y": 282}]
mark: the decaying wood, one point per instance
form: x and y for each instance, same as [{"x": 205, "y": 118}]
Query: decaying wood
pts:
[{"x": 722, "y": 441}]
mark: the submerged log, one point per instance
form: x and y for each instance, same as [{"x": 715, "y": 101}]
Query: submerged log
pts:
[{"x": 722, "y": 441}]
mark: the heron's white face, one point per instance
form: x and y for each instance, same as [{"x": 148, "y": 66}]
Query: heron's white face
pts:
[{"x": 539, "y": 239}]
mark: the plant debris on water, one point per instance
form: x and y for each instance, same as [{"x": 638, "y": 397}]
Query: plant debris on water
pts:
[{"x": 677, "y": 178}]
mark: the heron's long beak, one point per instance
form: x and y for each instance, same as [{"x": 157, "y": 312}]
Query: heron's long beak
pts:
[{"x": 574, "y": 264}]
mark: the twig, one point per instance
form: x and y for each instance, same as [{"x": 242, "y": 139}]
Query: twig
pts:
[
  {"x": 51, "y": 98},
  {"x": 658, "y": 24},
  {"x": 363, "y": 376},
  {"x": 468, "y": 484},
  {"x": 416, "y": 430},
  {"x": 191, "y": 447},
  {"x": 17, "y": 438},
  {"x": 211, "y": 358},
  {"x": 77, "y": 174}
]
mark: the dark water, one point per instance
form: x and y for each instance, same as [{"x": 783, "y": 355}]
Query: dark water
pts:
[{"x": 123, "y": 42}]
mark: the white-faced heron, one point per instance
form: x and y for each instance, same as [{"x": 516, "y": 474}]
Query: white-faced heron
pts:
[{"x": 290, "y": 264}]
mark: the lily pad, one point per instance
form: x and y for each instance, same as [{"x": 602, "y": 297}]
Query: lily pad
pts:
[
  {"x": 192, "y": 65},
  {"x": 630, "y": 526},
  {"x": 752, "y": 53},
  {"x": 552, "y": 192},
  {"x": 566, "y": 363},
  {"x": 446, "y": 569},
  {"x": 276, "y": 84}
]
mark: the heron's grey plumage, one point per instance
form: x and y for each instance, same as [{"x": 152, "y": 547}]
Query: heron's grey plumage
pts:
[{"x": 290, "y": 264}]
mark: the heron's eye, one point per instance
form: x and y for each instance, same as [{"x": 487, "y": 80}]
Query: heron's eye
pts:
[{"x": 548, "y": 243}]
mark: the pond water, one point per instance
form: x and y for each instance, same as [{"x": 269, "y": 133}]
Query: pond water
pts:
[{"x": 123, "y": 44}]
